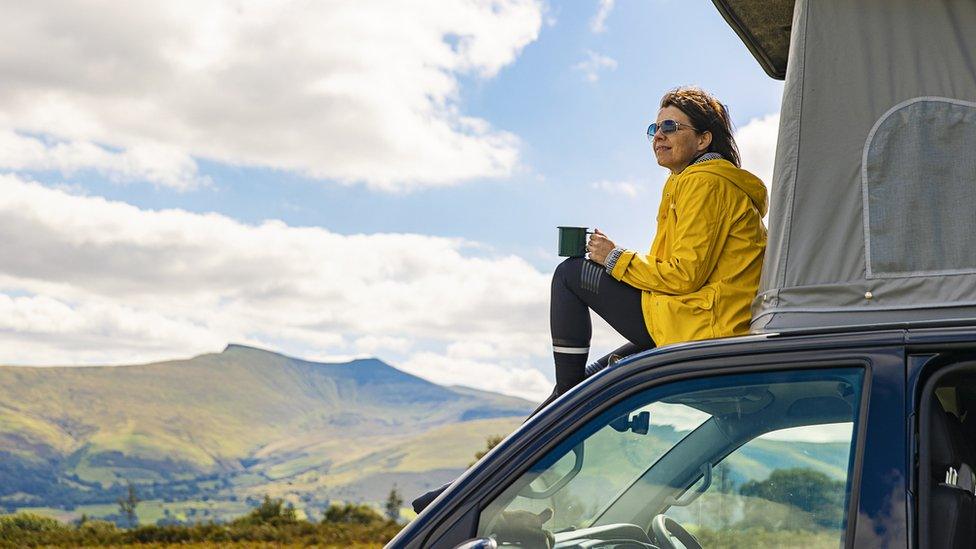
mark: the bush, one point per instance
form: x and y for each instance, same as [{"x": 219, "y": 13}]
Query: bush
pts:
[
  {"x": 101, "y": 527},
  {"x": 351, "y": 513},
  {"x": 273, "y": 512},
  {"x": 761, "y": 538},
  {"x": 160, "y": 534},
  {"x": 809, "y": 500},
  {"x": 25, "y": 529},
  {"x": 99, "y": 532},
  {"x": 29, "y": 522},
  {"x": 271, "y": 522}
]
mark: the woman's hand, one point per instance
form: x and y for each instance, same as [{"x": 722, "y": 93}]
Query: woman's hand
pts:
[{"x": 599, "y": 247}]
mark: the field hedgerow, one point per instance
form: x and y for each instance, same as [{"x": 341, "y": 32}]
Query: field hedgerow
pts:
[{"x": 272, "y": 524}]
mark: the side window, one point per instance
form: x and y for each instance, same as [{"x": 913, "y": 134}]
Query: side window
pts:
[
  {"x": 727, "y": 459},
  {"x": 608, "y": 462},
  {"x": 784, "y": 488}
]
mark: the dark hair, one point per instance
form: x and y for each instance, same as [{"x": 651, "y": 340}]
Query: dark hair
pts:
[{"x": 706, "y": 114}]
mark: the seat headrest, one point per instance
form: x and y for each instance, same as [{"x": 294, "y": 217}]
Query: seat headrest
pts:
[{"x": 948, "y": 443}]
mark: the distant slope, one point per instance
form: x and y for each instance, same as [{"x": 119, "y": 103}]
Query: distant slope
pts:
[
  {"x": 224, "y": 429},
  {"x": 248, "y": 417}
]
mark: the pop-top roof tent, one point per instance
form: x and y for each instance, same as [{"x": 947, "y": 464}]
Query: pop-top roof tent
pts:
[{"x": 873, "y": 215}]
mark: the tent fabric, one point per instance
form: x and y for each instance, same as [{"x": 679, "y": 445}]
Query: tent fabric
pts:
[
  {"x": 764, "y": 27},
  {"x": 873, "y": 195}
]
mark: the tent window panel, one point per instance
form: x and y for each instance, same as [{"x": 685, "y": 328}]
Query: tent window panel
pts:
[{"x": 919, "y": 187}]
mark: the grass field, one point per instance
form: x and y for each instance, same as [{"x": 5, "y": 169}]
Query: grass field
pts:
[
  {"x": 152, "y": 510},
  {"x": 272, "y": 524},
  {"x": 238, "y": 545}
]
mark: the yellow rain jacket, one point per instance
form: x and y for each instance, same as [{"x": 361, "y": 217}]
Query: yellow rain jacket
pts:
[{"x": 702, "y": 272}]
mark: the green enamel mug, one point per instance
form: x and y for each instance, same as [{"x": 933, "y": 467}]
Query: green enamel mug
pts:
[{"x": 572, "y": 241}]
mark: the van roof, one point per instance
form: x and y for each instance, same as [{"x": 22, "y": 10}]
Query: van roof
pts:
[
  {"x": 942, "y": 335},
  {"x": 764, "y": 26}
]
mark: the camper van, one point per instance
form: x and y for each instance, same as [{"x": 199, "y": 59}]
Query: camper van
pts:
[{"x": 848, "y": 417}]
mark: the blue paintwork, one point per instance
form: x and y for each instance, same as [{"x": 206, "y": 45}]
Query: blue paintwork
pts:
[{"x": 882, "y": 512}]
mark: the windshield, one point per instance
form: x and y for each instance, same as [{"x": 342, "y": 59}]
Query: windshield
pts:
[{"x": 761, "y": 452}]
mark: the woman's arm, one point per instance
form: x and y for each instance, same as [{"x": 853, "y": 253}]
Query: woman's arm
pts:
[{"x": 702, "y": 226}]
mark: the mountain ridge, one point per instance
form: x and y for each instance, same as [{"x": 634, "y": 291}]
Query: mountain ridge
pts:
[
  {"x": 250, "y": 417},
  {"x": 218, "y": 431}
]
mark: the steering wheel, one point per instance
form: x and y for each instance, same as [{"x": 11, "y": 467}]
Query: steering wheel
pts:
[{"x": 664, "y": 527}]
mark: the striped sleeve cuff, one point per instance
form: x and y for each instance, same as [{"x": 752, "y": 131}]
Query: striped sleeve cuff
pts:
[{"x": 612, "y": 258}]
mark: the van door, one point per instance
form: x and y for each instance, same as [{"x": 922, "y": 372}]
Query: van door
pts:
[
  {"x": 661, "y": 451},
  {"x": 724, "y": 461},
  {"x": 946, "y": 468}
]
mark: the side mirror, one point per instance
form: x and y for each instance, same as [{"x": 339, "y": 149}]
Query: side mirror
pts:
[
  {"x": 639, "y": 423},
  {"x": 480, "y": 543}
]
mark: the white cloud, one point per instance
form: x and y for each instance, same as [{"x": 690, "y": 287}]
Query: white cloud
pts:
[
  {"x": 371, "y": 344},
  {"x": 679, "y": 416},
  {"x": 45, "y": 330},
  {"x": 629, "y": 189},
  {"x": 157, "y": 164},
  {"x": 593, "y": 64},
  {"x": 598, "y": 23},
  {"x": 85, "y": 280},
  {"x": 757, "y": 146},
  {"x": 832, "y": 432},
  {"x": 502, "y": 377},
  {"x": 345, "y": 90}
]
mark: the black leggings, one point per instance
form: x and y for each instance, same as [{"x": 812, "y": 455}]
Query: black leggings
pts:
[{"x": 579, "y": 285}]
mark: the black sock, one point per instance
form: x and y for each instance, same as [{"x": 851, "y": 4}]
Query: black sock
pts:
[{"x": 570, "y": 369}]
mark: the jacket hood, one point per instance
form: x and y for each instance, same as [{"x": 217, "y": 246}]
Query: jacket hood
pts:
[{"x": 744, "y": 180}]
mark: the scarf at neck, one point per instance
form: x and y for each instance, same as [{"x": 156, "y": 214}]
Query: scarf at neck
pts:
[{"x": 707, "y": 156}]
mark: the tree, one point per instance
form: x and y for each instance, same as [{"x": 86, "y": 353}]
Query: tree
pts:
[
  {"x": 393, "y": 503},
  {"x": 490, "y": 443},
  {"x": 127, "y": 505},
  {"x": 804, "y": 489},
  {"x": 271, "y": 511}
]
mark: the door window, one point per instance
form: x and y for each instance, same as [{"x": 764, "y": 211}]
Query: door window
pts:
[
  {"x": 725, "y": 458},
  {"x": 785, "y": 488}
]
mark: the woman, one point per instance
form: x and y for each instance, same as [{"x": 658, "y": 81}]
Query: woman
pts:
[{"x": 702, "y": 272}]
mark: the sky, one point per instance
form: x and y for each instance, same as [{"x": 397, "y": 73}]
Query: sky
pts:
[{"x": 334, "y": 180}]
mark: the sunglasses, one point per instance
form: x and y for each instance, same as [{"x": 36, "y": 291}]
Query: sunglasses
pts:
[{"x": 666, "y": 126}]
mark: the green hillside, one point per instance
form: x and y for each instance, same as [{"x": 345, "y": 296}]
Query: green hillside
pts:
[
  {"x": 208, "y": 437},
  {"x": 233, "y": 426}
]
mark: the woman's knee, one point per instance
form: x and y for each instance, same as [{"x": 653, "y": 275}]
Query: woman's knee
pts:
[{"x": 568, "y": 268}]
